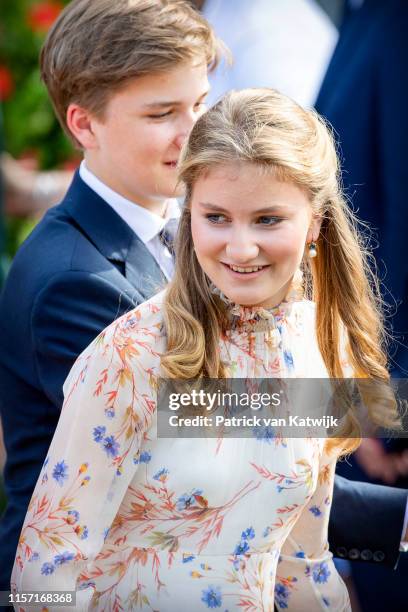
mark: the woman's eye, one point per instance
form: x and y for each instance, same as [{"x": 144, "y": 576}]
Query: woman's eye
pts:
[
  {"x": 215, "y": 218},
  {"x": 160, "y": 116},
  {"x": 269, "y": 220}
]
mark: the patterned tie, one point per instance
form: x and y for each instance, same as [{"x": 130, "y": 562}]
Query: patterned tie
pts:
[{"x": 167, "y": 238}]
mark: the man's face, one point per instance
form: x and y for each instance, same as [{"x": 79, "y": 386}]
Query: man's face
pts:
[{"x": 138, "y": 142}]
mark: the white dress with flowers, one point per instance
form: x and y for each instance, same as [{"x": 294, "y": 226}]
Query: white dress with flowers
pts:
[{"x": 132, "y": 522}]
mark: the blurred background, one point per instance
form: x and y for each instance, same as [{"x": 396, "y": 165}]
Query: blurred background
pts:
[
  {"x": 31, "y": 134},
  {"x": 349, "y": 59}
]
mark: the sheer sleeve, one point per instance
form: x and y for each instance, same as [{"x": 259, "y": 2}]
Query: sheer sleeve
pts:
[
  {"x": 307, "y": 578},
  {"x": 109, "y": 405}
]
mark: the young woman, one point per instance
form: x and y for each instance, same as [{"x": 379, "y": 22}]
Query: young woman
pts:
[{"x": 128, "y": 519}]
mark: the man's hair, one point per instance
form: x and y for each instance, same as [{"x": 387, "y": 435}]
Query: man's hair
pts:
[{"x": 96, "y": 46}]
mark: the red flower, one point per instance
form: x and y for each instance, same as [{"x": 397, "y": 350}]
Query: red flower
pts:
[
  {"x": 6, "y": 83},
  {"x": 42, "y": 15}
]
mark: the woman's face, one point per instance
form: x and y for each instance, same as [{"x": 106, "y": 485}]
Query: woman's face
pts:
[{"x": 250, "y": 231}]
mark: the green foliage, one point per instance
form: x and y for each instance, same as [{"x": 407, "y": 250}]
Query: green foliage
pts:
[
  {"x": 30, "y": 126},
  {"x": 29, "y": 121}
]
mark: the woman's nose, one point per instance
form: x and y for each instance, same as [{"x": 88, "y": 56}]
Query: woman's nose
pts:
[{"x": 241, "y": 249}]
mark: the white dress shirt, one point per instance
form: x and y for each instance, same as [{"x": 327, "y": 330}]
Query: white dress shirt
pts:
[{"x": 146, "y": 224}]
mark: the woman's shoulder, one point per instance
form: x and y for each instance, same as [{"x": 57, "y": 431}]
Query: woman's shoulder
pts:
[
  {"x": 146, "y": 319},
  {"x": 142, "y": 326},
  {"x": 134, "y": 340}
]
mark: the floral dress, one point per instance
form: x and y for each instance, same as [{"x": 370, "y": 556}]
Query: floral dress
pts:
[{"x": 131, "y": 521}]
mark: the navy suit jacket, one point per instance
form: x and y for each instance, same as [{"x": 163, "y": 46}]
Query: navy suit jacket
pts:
[
  {"x": 364, "y": 96},
  {"x": 80, "y": 269}
]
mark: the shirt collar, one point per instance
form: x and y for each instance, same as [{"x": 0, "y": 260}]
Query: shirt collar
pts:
[{"x": 143, "y": 222}]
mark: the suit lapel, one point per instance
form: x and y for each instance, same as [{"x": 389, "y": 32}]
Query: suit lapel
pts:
[
  {"x": 113, "y": 237},
  {"x": 142, "y": 270}
]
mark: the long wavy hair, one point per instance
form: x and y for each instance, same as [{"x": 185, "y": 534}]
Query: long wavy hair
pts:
[{"x": 266, "y": 128}]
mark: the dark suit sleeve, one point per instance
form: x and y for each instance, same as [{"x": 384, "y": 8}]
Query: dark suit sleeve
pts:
[
  {"x": 366, "y": 521},
  {"x": 67, "y": 315}
]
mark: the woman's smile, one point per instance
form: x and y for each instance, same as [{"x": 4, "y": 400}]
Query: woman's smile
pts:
[{"x": 245, "y": 272}]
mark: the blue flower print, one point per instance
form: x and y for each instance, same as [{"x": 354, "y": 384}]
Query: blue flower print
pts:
[
  {"x": 187, "y": 500},
  {"x": 34, "y": 557},
  {"x": 161, "y": 475},
  {"x": 63, "y": 558},
  {"x": 241, "y": 548},
  {"x": 47, "y": 569},
  {"x": 321, "y": 572},
  {"x": 212, "y": 597},
  {"x": 60, "y": 472},
  {"x": 300, "y": 554},
  {"x": 248, "y": 534},
  {"x": 145, "y": 457},
  {"x": 288, "y": 359},
  {"x": 85, "y": 585},
  {"x": 281, "y": 595},
  {"x": 109, "y": 413},
  {"x": 315, "y": 511},
  {"x": 73, "y": 517},
  {"x": 265, "y": 434},
  {"x": 98, "y": 433},
  {"x": 111, "y": 446},
  {"x": 187, "y": 558}
]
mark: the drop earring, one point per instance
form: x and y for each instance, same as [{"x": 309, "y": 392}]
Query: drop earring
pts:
[{"x": 312, "y": 250}]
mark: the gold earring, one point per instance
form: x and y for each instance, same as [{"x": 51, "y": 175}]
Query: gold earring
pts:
[{"x": 312, "y": 250}]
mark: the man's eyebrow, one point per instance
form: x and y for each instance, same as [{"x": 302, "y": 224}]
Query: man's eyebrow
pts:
[
  {"x": 166, "y": 103},
  {"x": 266, "y": 210}
]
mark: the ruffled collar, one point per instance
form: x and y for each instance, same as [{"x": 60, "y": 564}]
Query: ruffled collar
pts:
[{"x": 258, "y": 316}]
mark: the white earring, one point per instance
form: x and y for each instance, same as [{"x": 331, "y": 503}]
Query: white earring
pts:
[{"x": 312, "y": 250}]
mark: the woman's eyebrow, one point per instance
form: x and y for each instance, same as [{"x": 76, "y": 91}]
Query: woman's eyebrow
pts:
[{"x": 265, "y": 210}]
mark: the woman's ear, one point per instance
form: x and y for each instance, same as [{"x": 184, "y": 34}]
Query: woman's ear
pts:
[{"x": 314, "y": 229}]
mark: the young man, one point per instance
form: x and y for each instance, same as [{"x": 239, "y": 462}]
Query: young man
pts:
[{"x": 127, "y": 80}]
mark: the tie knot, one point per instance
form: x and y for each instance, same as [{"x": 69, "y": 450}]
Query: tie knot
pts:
[{"x": 167, "y": 239}]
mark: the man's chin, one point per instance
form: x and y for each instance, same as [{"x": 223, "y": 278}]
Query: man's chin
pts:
[{"x": 176, "y": 191}]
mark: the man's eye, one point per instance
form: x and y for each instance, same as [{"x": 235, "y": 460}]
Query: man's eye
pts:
[
  {"x": 161, "y": 115},
  {"x": 269, "y": 220},
  {"x": 200, "y": 106},
  {"x": 215, "y": 218}
]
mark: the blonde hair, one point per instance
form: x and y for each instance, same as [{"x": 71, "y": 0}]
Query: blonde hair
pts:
[
  {"x": 264, "y": 127},
  {"x": 96, "y": 46}
]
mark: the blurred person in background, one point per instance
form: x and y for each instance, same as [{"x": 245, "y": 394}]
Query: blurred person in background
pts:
[
  {"x": 274, "y": 43},
  {"x": 31, "y": 192},
  {"x": 364, "y": 96}
]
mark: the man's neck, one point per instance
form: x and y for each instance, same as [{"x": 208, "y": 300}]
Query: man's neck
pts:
[{"x": 157, "y": 207}]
